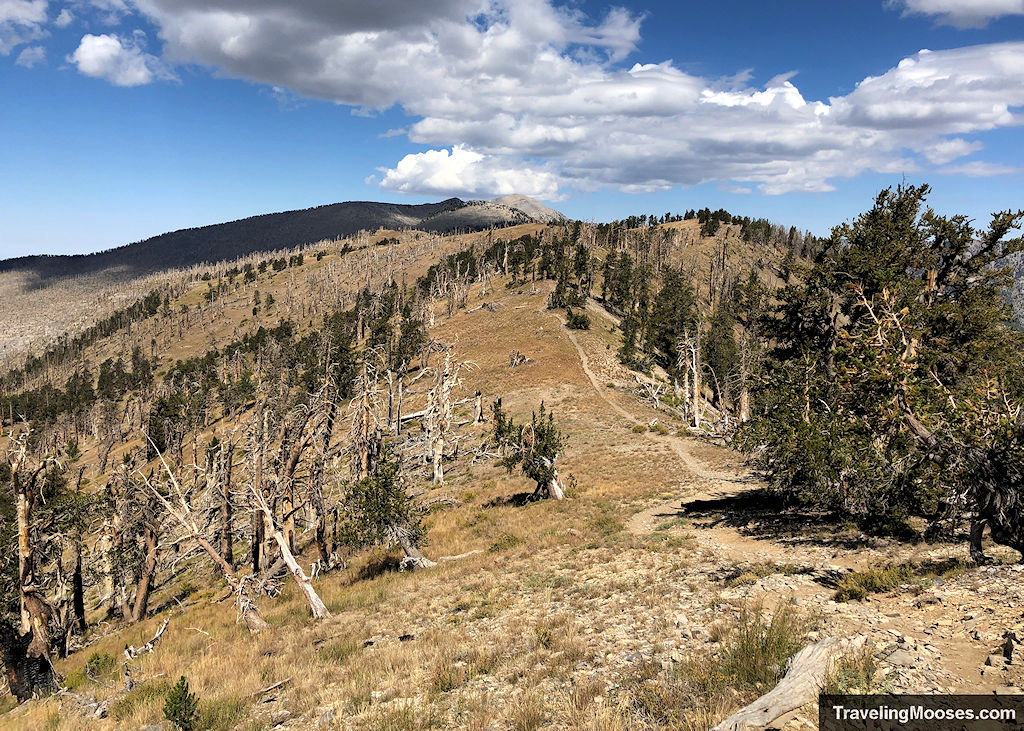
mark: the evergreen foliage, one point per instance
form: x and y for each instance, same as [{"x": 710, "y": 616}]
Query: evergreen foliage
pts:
[
  {"x": 576, "y": 320},
  {"x": 893, "y": 386},
  {"x": 378, "y": 504},
  {"x": 182, "y": 707},
  {"x": 537, "y": 446}
]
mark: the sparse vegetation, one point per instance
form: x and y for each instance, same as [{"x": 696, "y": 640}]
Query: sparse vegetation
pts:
[
  {"x": 314, "y": 448},
  {"x": 860, "y": 584}
]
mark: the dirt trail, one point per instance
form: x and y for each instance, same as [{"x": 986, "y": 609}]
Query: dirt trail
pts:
[
  {"x": 951, "y": 659},
  {"x": 716, "y": 484}
]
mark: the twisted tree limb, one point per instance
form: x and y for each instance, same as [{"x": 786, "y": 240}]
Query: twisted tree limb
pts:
[{"x": 807, "y": 672}]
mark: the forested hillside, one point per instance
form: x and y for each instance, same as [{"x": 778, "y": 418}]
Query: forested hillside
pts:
[{"x": 507, "y": 478}]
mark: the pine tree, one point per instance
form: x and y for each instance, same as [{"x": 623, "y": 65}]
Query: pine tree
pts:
[
  {"x": 893, "y": 388},
  {"x": 182, "y": 707},
  {"x": 378, "y": 511},
  {"x": 537, "y": 447}
]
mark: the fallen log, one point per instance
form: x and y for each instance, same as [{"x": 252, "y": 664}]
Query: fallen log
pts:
[
  {"x": 808, "y": 670},
  {"x": 131, "y": 652}
]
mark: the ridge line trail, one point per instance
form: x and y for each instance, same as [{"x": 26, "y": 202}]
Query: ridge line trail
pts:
[
  {"x": 722, "y": 545},
  {"x": 725, "y": 540}
]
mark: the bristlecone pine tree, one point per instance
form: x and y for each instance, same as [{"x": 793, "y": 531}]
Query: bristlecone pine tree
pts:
[
  {"x": 895, "y": 384},
  {"x": 378, "y": 511},
  {"x": 535, "y": 448}
]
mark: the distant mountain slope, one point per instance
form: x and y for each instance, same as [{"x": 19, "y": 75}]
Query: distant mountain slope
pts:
[
  {"x": 538, "y": 212},
  {"x": 227, "y": 241}
]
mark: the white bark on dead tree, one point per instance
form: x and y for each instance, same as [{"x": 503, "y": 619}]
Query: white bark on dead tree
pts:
[{"x": 807, "y": 672}]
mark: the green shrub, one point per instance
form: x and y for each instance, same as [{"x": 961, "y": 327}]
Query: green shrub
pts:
[
  {"x": 576, "y": 320},
  {"x": 99, "y": 663},
  {"x": 860, "y": 584},
  {"x": 182, "y": 707},
  {"x": 852, "y": 674},
  {"x": 756, "y": 650},
  {"x": 505, "y": 542}
]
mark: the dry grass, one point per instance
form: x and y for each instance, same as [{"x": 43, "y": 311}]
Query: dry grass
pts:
[
  {"x": 860, "y": 584},
  {"x": 508, "y": 637}
]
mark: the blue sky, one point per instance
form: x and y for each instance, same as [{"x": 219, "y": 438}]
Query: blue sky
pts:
[{"x": 122, "y": 119}]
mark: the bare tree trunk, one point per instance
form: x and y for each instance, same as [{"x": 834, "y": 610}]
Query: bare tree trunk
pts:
[
  {"x": 227, "y": 549},
  {"x": 478, "y": 409},
  {"x": 145, "y": 583},
  {"x": 807, "y": 672},
  {"x": 78, "y": 589},
  {"x": 316, "y": 605},
  {"x": 694, "y": 345},
  {"x": 26, "y": 673},
  {"x": 744, "y": 405},
  {"x": 258, "y": 536},
  {"x": 555, "y": 488},
  {"x": 35, "y": 610},
  {"x": 414, "y": 557},
  {"x": 398, "y": 409},
  {"x": 23, "y": 510}
]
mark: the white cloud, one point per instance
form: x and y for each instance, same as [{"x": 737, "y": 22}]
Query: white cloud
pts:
[
  {"x": 118, "y": 60},
  {"x": 468, "y": 173},
  {"x": 108, "y": 12},
  {"x": 978, "y": 169},
  {"x": 21, "y": 21},
  {"x": 961, "y": 13},
  {"x": 945, "y": 151},
  {"x": 31, "y": 57},
  {"x": 494, "y": 86},
  {"x": 64, "y": 18}
]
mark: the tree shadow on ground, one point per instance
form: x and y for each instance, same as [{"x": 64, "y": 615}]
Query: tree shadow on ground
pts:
[
  {"x": 518, "y": 500},
  {"x": 759, "y": 514}
]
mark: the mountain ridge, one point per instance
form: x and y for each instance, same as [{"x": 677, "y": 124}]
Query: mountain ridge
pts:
[{"x": 285, "y": 230}]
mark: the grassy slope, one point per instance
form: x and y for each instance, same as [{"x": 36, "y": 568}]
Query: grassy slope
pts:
[{"x": 550, "y": 625}]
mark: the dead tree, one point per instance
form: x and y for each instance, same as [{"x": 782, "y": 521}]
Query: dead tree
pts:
[
  {"x": 689, "y": 363},
  {"x": 478, "y": 408},
  {"x": 365, "y": 427},
  {"x": 294, "y": 439},
  {"x": 316, "y": 605},
  {"x": 805, "y": 676},
  {"x": 31, "y": 645},
  {"x": 220, "y": 468},
  {"x": 185, "y": 517},
  {"x": 323, "y": 432},
  {"x": 651, "y": 390},
  {"x": 439, "y": 417}
]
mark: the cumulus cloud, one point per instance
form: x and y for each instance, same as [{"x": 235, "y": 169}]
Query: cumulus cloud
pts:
[
  {"x": 463, "y": 171},
  {"x": 31, "y": 57},
  {"x": 494, "y": 86},
  {"x": 21, "y": 21},
  {"x": 64, "y": 18},
  {"x": 120, "y": 61},
  {"x": 961, "y": 13}
]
